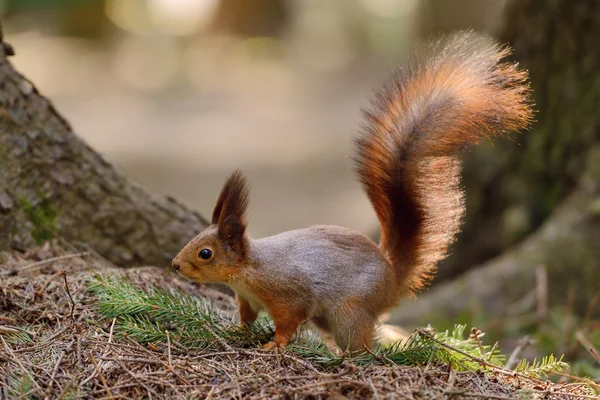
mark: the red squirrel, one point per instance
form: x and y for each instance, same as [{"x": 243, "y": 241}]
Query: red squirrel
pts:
[{"x": 455, "y": 93}]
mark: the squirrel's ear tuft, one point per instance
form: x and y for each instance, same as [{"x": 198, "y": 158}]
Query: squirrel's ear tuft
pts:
[
  {"x": 231, "y": 206},
  {"x": 219, "y": 206}
]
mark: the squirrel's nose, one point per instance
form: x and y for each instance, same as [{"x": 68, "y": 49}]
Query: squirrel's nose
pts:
[{"x": 175, "y": 264}]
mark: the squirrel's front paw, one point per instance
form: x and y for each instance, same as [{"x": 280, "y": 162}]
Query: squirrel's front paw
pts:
[{"x": 273, "y": 345}]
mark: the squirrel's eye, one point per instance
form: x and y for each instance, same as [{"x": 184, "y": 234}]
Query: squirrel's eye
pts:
[{"x": 205, "y": 254}]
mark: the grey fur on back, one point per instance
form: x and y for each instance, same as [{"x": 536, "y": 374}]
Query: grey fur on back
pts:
[{"x": 324, "y": 266}]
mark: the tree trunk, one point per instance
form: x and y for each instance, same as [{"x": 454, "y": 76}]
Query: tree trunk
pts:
[
  {"x": 512, "y": 189},
  {"x": 53, "y": 185}
]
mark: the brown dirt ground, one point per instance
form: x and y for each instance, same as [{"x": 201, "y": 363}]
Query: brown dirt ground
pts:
[{"x": 74, "y": 354}]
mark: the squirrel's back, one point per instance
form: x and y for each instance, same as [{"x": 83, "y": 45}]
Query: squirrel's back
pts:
[
  {"x": 453, "y": 94},
  {"x": 323, "y": 254},
  {"x": 326, "y": 267}
]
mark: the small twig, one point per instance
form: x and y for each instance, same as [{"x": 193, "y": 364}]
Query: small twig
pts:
[
  {"x": 382, "y": 359},
  {"x": 89, "y": 378},
  {"x": 475, "y": 333},
  {"x": 112, "y": 327},
  {"x": 585, "y": 325},
  {"x": 110, "y": 337},
  {"x": 133, "y": 360},
  {"x": 218, "y": 353},
  {"x": 480, "y": 360},
  {"x": 304, "y": 363},
  {"x": 350, "y": 369},
  {"x": 64, "y": 274},
  {"x": 4, "y": 388},
  {"x": 277, "y": 356},
  {"x": 522, "y": 345},
  {"x": 66, "y": 389},
  {"x": 38, "y": 264},
  {"x": 567, "y": 395},
  {"x": 491, "y": 354},
  {"x": 374, "y": 389},
  {"x": 79, "y": 358},
  {"x": 218, "y": 338},
  {"x": 589, "y": 346},
  {"x": 169, "y": 349},
  {"x": 451, "y": 376},
  {"x": 56, "y": 366},
  {"x": 595, "y": 354},
  {"x": 323, "y": 383},
  {"x": 580, "y": 380},
  {"x": 471, "y": 394},
  {"x": 104, "y": 383},
  {"x": 135, "y": 378}
]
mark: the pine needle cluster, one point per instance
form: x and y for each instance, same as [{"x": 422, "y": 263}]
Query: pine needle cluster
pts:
[{"x": 549, "y": 365}]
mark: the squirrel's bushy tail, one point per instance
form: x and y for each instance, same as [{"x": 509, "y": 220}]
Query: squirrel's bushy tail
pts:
[{"x": 454, "y": 94}]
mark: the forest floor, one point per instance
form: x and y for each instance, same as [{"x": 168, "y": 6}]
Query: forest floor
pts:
[{"x": 55, "y": 344}]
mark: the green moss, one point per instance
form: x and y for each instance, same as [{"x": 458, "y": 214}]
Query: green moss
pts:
[{"x": 43, "y": 218}]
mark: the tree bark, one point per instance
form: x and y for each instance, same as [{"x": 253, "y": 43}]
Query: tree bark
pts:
[{"x": 53, "y": 185}]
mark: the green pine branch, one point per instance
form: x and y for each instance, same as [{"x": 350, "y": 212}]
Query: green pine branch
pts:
[
  {"x": 473, "y": 345},
  {"x": 191, "y": 321},
  {"x": 541, "y": 369}
]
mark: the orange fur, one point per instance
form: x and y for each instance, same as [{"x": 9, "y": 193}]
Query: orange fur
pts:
[
  {"x": 287, "y": 320},
  {"x": 452, "y": 96},
  {"x": 247, "y": 314}
]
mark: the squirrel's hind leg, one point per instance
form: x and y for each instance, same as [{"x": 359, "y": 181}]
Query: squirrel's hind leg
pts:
[
  {"x": 353, "y": 329},
  {"x": 354, "y": 338}
]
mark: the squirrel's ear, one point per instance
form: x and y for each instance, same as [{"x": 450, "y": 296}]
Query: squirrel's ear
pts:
[
  {"x": 231, "y": 227},
  {"x": 231, "y": 206}
]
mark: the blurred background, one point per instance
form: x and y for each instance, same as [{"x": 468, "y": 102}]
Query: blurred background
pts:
[{"x": 178, "y": 93}]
